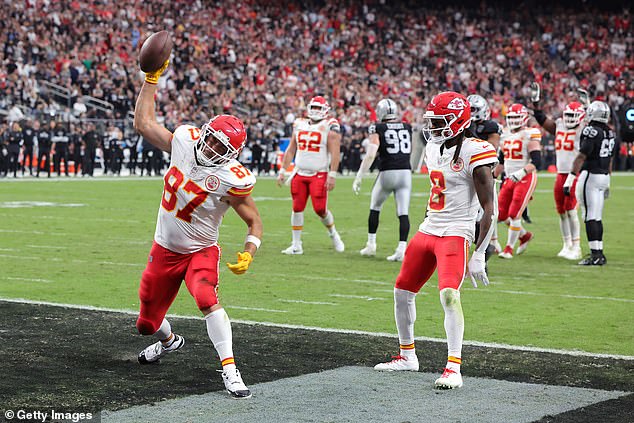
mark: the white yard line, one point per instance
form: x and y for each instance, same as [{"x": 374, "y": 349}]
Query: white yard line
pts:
[
  {"x": 27, "y": 279},
  {"x": 332, "y": 330},
  {"x": 359, "y": 297},
  {"x": 328, "y": 278},
  {"x": 541, "y": 294},
  {"x": 268, "y": 310},
  {"x": 46, "y": 246},
  {"x": 308, "y": 302}
]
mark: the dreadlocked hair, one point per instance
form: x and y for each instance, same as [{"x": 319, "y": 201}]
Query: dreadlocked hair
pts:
[{"x": 456, "y": 154}]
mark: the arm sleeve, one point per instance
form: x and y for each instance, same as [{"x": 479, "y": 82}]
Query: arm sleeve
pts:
[{"x": 536, "y": 158}]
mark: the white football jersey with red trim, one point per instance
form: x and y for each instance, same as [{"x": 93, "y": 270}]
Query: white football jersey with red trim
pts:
[
  {"x": 515, "y": 148},
  {"x": 453, "y": 202},
  {"x": 191, "y": 209},
  {"x": 567, "y": 143},
  {"x": 312, "y": 145}
]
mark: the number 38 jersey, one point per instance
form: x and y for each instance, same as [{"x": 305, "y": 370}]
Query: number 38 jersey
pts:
[
  {"x": 192, "y": 209},
  {"x": 567, "y": 143},
  {"x": 395, "y": 144},
  {"x": 312, "y": 144},
  {"x": 453, "y": 203},
  {"x": 515, "y": 148}
]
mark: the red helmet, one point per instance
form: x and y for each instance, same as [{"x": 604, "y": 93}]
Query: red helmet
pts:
[
  {"x": 221, "y": 140},
  {"x": 447, "y": 115},
  {"x": 318, "y": 108},
  {"x": 517, "y": 116},
  {"x": 573, "y": 114}
]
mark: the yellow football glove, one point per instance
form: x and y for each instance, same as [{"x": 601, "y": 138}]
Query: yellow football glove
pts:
[
  {"x": 153, "y": 77},
  {"x": 244, "y": 260}
]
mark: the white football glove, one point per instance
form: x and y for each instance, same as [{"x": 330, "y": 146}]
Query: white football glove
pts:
[
  {"x": 584, "y": 97},
  {"x": 570, "y": 179},
  {"x": 356, "y": 185},
  {"x": 477, "y": 269},
  {"x": 518, "y": 175},
  {"x": 606, "y": 194},
  {"x": 535, "y": 92}
]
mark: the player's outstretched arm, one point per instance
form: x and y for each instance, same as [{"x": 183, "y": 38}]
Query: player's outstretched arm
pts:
[
  {"x": 247, "y": 210},
  {"x": 373, "y": 147},
  {"x": 484, "y": 187},
  {"x": 145, "y": 116},
  {"x": 544, "y": 121},
  {"x": 289, "y": 154}
]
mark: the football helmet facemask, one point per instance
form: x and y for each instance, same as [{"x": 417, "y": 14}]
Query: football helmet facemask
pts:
[
  {"x": 221, "y": 140},
  {"x": 573, "y": 114},
  {"x": 447, "y": 115},
  {"x": 480, "y": 109},
  {"x": 318, "y": 108},
  {"x": 517, "y": 116}
]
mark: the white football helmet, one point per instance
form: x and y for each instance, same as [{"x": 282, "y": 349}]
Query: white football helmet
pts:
[
  {"x": 573, "y": 114},
  {"x": 480, "y": 109},
  {"x": 386, "y": 109},
  {"x": 517, "y": 116},
  {"x": 318, "y": 108},
  {"x": 598, "y": 111}
]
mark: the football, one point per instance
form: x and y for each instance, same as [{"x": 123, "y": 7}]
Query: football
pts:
[{"x": 155, "y": 51}]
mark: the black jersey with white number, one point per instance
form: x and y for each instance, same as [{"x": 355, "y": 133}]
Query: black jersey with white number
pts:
[
  {"x": 395, "y": 144},
  {"x": 597, "y": 143},
  {"x": 484, "y": 128}
]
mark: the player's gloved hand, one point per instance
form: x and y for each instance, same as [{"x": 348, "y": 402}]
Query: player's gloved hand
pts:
[
  {"x": 518, "y": 175},
  {"x": 606, "y": 194},
  {"x": 584, "y": 97},
  {"x": 153, "y": 77},
  {"x": 281, "y": 177},
  {"x": 244, "y": 260},
  {"x": 570, "y": 179},
  {"x": 356, "y": 185},
  {"x": 477, "y": 269},
  {"x": 536, "y": 92}
]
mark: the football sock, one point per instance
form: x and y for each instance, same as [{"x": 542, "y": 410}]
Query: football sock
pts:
[
  {"x": 329, "y": 222},
  {"x": 573, "y": 221},
  {"x": 402, "y": 245},
  {"x": 297, "y": 222},
  {"x": 373, "y": 221},
  {"x": 403, "y": 228},
  {"x": 164, "y": 333},
  {"x": 564, "y": 227},
  {"x": 454, "y": 320},
  {"x": 219, "y": 331},
  {"x": 405, "y": 316},
  {"x": 494, "y": 237},
  {"x": 514, "y": 232},
  {"x": 371, "y": 238},
  {"x": 453, "y": 363}
]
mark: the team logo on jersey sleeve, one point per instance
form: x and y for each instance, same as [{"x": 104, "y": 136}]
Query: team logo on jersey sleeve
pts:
[
  {"x": 458, "y": 165},
  {"x": 212, "y": 183}
]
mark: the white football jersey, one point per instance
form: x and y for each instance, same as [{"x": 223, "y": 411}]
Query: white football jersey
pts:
[
  {"x": 453, "y": 202},
  {"x": 312, "y": 145},
  {"x": 191, "y": 209},
  {"x": 515, "y": 147},
  {"x": 566, "y": 145}
]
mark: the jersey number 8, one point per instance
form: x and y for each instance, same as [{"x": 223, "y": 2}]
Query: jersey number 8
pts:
[{"x": 398, "y": 141}]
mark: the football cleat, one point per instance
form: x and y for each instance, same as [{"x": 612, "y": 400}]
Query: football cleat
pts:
[
  {"x": 399, "y": 363},
  {"x": 369, "y": 250},
  {"x": 507, "y": 253},
  {"x": 524, "y": 240},
  {"x": 449, "y": 380},
  {"x": 154, "y": 352},
  {"x": 234, "y": 384},
  {"x": 293, "y": 249},
  {"x": 574, "y": 253},
  {"x": 337, "y": 242},
  {"x": 496, "y": 245},
  {"x": 397, "y": 256},
  {"x": 593, "y": 261},
  {"x": 565, "y": 250}
]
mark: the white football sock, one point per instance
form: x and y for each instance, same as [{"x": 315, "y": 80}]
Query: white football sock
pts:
[
  {"x": 596, "y": 245},
  {"x": 371, "y": 238},
  {"x": 564, "y": 227},
  {"x": 164, "y": 332},
  {"x": 329, "y": 222},
  {"x": 515, "y": 226},
  {"x": 219, "y": 331},
  {"x": 402, "y": 245},
  {"x": 297, "y": 222},
  {"x": 454, "y": 321},
  {"x": 573, "y": 220},
  {"x": 405, "y": 316}
]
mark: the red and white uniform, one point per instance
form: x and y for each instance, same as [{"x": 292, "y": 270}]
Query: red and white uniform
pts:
[
  {"x": 312, "y": 163},
  {"x": 445, "y": 234},
  {"x": 185, "y": 242},
  {"x": 312, "y": 145},
  {"x": 514, "y": 196},
  {"x": 566, "y": 149}
]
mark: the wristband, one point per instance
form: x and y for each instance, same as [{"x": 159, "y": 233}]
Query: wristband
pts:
[
  {"x": 332, "y": 174},
  {"x": 253, "y": 240}
]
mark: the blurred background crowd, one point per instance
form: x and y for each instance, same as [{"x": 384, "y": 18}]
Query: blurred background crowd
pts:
[{"x": 74, "y": 63}]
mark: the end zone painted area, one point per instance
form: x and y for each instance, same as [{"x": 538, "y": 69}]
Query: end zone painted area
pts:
[{"x": 360, "y": 394}]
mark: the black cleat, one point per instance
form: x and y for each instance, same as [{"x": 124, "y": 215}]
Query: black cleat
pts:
[{"x": 593, "y": 261}]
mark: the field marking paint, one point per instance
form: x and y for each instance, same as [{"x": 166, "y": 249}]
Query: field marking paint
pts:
[
  {"x": 358, "y": 297},
  {"x": 327, "y": 278},
  {"x": 333, "y": 330},
  {"x": 27, "y": 279},
  {"x": 541, "y": 294},
  {"x": 268, "y": 310},
  {"x": 47, "y": 246},
  {"x": 15, "y": 231},
  {"x": 308, "y": 302},
  {"x": 33, "y": 204},
  {"x": 20, "y": 257}
]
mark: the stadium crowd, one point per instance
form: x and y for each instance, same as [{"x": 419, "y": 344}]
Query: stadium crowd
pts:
[{"x": 263, "y": 60}]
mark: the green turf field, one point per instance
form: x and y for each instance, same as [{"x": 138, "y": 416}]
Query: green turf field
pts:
[{"x": 90, "y": 246}]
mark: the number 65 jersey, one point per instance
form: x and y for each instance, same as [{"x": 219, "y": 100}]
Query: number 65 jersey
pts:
[
  {"x": 453, "y": 203},
  {"x": 191, "y": 209}
]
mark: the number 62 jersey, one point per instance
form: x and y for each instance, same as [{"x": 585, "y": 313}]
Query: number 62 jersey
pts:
[
  {"x": 453, "y": 203},
  {"x": 191, "y": 209}
]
